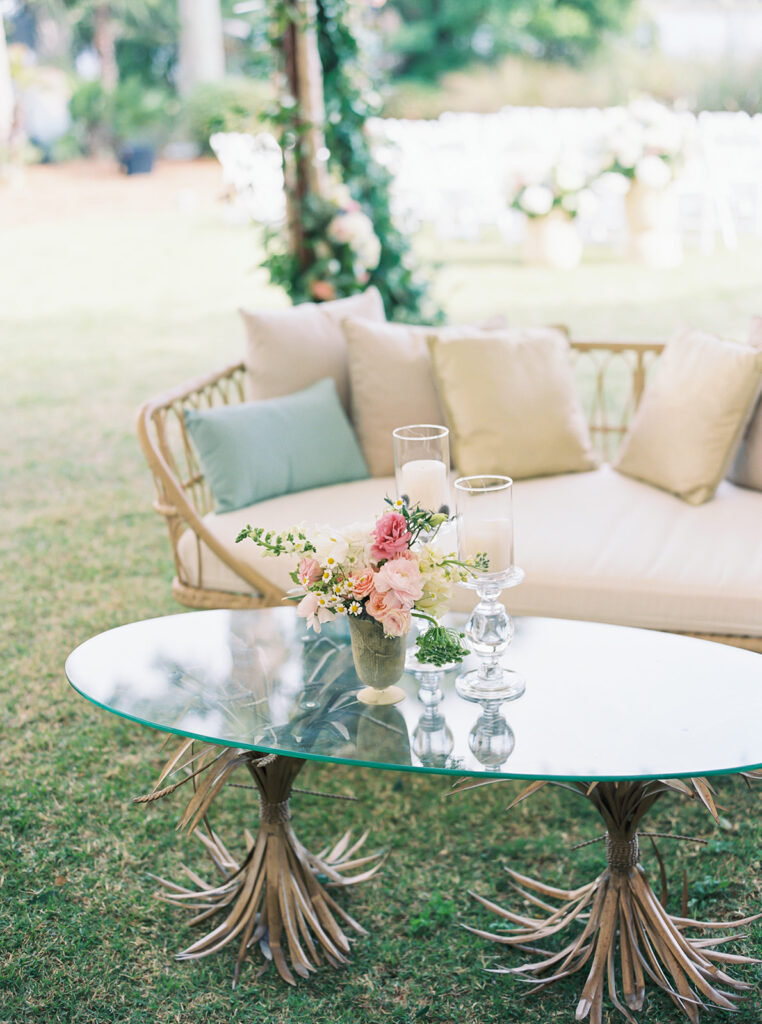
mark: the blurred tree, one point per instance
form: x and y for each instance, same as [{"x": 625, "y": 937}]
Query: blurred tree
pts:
[
  {"x": 434, "y": 36},
  {"x": 6, "y": 92},
  {"x": 202, "y": 54}
]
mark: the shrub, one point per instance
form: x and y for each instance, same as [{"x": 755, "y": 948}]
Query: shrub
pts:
[{"x": 232, "y": 105}]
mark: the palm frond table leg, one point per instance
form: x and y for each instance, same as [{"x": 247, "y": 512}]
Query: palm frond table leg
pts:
[
  {"x": 276, "y": 898},
  {"x": 620, "y": 908}
]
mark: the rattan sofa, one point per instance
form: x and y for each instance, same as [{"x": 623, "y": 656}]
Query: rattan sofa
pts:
[{"x": 611, "y": 378}]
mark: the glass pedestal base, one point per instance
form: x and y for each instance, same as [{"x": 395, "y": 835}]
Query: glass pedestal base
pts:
[
  {"x": 489, "y": 631},
  {"x": 475, "y": 687}
]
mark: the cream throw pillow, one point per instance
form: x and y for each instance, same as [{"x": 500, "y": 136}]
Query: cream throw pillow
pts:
[
  {"x": 290, "y": 349},
  {"x": 510, "y": 402},
  {"x": 746, "y": 471},
  {"x": 692, "y": 414},
  {"x": 392, "y": 385}
]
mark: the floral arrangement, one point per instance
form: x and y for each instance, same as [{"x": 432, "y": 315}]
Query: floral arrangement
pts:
[
  {"x": 562, "y": 188},
  {"x": 645, "y": 145},
  {"x": 385, "y": 573}
]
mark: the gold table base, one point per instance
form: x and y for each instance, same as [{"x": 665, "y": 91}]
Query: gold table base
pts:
[
  {"x": 273, "y": 899},
  {"x": 620, "y": 909}
]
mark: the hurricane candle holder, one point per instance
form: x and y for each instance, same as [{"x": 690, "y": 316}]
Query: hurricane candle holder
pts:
[
  {"x": 422, "y": 464},
  {"x": 484, "y": 513}
]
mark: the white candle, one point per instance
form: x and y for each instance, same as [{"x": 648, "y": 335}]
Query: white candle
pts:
[
  {"x": 424, "y": 481},
  {"x": 492, "y": 537}
]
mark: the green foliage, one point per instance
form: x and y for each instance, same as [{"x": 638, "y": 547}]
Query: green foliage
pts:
[
  {"x": 141, "y": 112},
  {"x": 329, "y": 266},
  {"x": 232, "y": 105},
  {"x": 349, "y": 101},
  {"x": 436, "y": 36},
  {"x": 436, "y": 913},
  {"x": 440, "y": 645}
]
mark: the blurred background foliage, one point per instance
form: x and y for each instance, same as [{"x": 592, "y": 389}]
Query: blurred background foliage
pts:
[{"x": 118, "y": 61}]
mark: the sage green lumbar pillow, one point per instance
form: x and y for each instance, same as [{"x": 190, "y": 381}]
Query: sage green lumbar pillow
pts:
[
  {"x": 693, "y": 412},
  {"x": 258, "y": 450}
]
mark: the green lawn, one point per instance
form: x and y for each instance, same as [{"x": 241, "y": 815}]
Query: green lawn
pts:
[{"x": 99, "y": 310}]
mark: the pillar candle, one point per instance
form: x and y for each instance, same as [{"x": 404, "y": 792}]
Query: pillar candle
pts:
[
  {"x": 493, "y": 537},
  {"x": 424, "y": 481}
]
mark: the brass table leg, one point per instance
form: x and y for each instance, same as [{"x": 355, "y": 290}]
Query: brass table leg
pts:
[
  {"x": 273, "y": 899},
  {"x": 621, "y": 905}
]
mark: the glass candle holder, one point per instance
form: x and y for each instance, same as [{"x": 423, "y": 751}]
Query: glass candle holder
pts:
[
  {"x": 422, "y": 465},
  {"x": 484, "y": 515}
]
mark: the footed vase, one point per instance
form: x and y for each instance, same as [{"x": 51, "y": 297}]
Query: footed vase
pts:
[{"x": 379, "y": 661}]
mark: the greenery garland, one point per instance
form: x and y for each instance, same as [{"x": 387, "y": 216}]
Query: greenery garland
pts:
[{"x": 349, "y": 236}]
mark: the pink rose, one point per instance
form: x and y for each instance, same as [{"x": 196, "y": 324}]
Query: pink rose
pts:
[
  {"x": 391, "y": 536},
  {"x": 400, "y": 577},
  {"x": 361, "y": 582},
  {"x": 309, "y": 571},
  {"x": 310, "y": 609},
  {"x": 396, "y": 622}
]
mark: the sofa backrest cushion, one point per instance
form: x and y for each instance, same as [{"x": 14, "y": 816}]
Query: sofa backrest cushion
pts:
[
  {"x": 392, "y": 385},
  {"x": 510, "y": 402},
  {"x": 746, "y": 470},
  {"x": 693, "y": 412},
  {"x": 257, "y": 450},
  {"x": 289, "y": 349}
]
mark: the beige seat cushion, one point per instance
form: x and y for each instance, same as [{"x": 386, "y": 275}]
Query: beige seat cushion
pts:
[
  {"x": 392, "y": 385},
  {"x": 692, "y": 415},
  {"x": 597, "y": 546},
  {"x": 746, "y": 470},
  {"x": 289, "y": 349},
  {"x": 510, "y": 402}
]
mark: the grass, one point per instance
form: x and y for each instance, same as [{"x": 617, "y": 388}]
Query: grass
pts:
[{"x": 102, "y": 306}]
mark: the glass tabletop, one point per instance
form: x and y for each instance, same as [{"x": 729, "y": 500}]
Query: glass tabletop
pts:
[{"x": 601, "y": 701}]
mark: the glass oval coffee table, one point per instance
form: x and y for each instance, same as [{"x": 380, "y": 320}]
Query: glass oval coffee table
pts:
[{"x": 620, "y": 715}]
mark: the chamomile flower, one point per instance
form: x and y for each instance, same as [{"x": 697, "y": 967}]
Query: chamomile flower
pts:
[
  {"x": 327, "y": 576},
  {"x": 341, "y": 609},
  {"x": 399, "y": 504},
  {"x": 355, "y": 608}
]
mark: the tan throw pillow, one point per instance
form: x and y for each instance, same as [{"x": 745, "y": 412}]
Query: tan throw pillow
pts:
[
  {"x": 510, "y": 402},
  {"x": 289, "y": 349},
  {"x": 746, "y": 471},
  {"x": 693, "y": 411},
  {"x": 392, "y": 385}
]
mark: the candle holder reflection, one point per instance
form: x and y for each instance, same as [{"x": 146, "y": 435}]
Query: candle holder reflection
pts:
[
  {"x": 432, "y": 738},
  {"x": 485, "y": 527},
  {"x": 491, "y": 740}
]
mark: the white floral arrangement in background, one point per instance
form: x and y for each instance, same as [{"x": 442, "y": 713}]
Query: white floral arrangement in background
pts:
[
  {"x": 645, "y": 144},
  {"x": 564, "y": 187}
]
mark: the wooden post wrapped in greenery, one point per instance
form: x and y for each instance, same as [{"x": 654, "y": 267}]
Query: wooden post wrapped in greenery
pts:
[{"x": 341, "y": 236}]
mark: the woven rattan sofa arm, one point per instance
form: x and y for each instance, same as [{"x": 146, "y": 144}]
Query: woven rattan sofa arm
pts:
[{"x": 183, "y": 499}]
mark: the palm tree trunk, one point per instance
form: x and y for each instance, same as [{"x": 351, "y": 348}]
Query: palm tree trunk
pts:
[{"x": 202, "y": 53}]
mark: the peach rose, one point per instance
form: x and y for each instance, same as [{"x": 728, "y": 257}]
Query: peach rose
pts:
[
  {"x": 361, "y": 582},
  {"x": 396, "y": 622}
]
